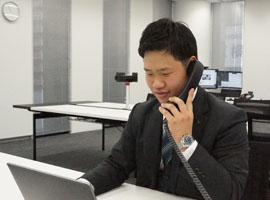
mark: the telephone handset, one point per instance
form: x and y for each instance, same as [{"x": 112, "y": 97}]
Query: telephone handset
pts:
[
  {"x": 194, "y": 73},
  {"x": 247, "y": 96}
]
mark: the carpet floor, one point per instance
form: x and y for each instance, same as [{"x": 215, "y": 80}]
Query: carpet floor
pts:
[{"x": 80, "y": 151}]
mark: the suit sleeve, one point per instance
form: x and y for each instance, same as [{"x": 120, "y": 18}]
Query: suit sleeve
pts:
[
  {"x": 115, "y": 169},
  {"x": 224, "y": 172}
]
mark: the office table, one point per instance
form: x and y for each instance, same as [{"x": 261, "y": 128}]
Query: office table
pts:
[
  {"x": 10, "y": 190},
  {"x": 107, "y": 113}
]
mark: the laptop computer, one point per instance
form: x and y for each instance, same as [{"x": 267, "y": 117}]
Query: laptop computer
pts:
[{"x": 39, "y": 185}]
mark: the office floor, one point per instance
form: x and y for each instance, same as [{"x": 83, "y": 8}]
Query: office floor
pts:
[{"x": 80, "y": 151}]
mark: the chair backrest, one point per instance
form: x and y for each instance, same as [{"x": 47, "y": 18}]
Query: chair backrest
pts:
[
  {"x": 258, "y": 186},
  {"x": 254, "y": 106},
  {"x": 258, "y": 112},
  {"x": 258, "y": 127}
]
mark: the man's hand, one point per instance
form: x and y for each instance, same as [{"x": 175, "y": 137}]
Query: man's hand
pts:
[{"x": 179, "y": 121}]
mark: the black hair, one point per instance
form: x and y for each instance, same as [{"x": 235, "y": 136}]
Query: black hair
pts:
[{"x": 172, "y": 37}]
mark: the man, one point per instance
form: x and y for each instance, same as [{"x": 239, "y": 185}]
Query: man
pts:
[{"x": 218, "y": 152}]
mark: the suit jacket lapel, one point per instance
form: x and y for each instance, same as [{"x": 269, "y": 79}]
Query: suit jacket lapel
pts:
[
  {"x": 152, "y": 135},
  {"x": 200, "y": 109}
]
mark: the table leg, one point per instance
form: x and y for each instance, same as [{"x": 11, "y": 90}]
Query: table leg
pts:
[
  {"x": 34, "y": 138},
  {"x": 103, "y": 136}
]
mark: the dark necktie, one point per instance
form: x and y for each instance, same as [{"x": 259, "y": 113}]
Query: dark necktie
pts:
[{"x": 167, "y": 149}]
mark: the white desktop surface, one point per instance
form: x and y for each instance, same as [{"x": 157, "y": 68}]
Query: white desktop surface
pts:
[
  {"x": 9, "y": 189},
  {"x": 108, "y": 105},
  {"x": 133, "y": 192},
  {"x": 97, "y": 110}
]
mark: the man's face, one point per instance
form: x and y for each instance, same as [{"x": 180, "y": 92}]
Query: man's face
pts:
[{"x": 165, "y": 76}]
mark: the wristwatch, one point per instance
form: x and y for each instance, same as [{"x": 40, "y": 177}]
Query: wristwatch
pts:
[{"x": 185, "y": 141}]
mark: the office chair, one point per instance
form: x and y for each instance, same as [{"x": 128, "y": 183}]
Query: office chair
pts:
[
  {"x": 258, "y": 127},
  {"x": 254, "y": 106},
  {"x": 258, "y": 185},
  {"x": 258, "y": 113}
]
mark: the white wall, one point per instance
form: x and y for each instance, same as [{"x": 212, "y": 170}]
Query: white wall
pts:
[
  {"x": 162, "y": 9},
  {"x": 197, "y": 14},
  {"x": 16, "y": 72},
  {"x": 256, "y": 67},
  {"x": 141, "y": 14},
  {"x": 86, "y": 55}
]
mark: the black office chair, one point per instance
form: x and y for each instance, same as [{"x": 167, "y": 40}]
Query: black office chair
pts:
[
  {"x": 254, "y": 106},
  {"x": 258, "y": 127},
  {"x": 258, "y": 112},
  {"x": 258, "y": 185}
]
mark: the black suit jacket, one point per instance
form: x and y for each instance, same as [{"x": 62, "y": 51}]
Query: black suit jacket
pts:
[{"x": 220, "y": 159}]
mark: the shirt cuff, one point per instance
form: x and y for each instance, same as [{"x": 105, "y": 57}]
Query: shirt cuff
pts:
[{"x": 190, "y": 150}]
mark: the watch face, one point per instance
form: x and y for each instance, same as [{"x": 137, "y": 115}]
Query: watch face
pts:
[
  {"x": 10, "y": 11},
  {"x": 187, "y": 140}
]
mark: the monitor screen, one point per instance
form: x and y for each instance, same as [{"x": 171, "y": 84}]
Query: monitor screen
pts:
[
  {"x": 209, "y": 79},
  {"x": 229, "y": 79}
]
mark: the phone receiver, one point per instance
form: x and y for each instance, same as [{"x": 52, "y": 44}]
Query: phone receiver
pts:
[
  {"x": 194, "y": 74},
  {"x": 247, "y": 96}
]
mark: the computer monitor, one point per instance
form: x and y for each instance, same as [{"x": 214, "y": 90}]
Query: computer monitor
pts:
[
  {"x": 229, "y": 79},
  {"x": 209, "y": 79},
  {"x": 231, "y": 92}
]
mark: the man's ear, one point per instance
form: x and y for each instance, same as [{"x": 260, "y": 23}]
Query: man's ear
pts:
[{"x": 192, "y": 58}]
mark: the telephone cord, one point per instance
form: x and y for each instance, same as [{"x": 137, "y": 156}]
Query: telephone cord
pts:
[{"x": 190, "y": 171}]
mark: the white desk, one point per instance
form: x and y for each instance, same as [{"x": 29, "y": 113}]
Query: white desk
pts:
[
  {"x": 9, "y": 189},
  {"x": 100, "y": 112},
  {"x": 110, "y": 111}
]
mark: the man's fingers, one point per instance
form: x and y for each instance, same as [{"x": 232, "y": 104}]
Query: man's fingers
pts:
[
  {"x": 165, "y": 113},
  {"x": 171, "y": 107},
  {"x": 180, "y": 103},
  {"x": 190, "y": 99}
]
